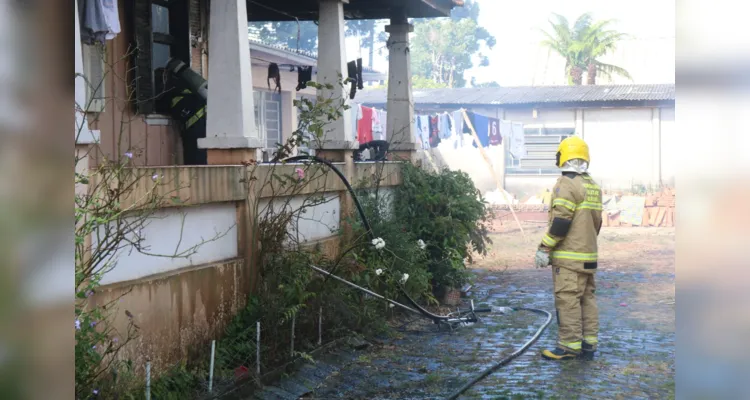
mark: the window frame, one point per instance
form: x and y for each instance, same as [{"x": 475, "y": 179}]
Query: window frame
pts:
[
  {"x": 145, "y": 80},
  {"x": 532, "y": 133},
  {"x": 261, "y": 116},
  {"x": 96, "y": 92}
]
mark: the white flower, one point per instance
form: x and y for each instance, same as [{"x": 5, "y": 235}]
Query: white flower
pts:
[
  {"x": 391, "y": 305},
  {"x": 379, "y": 243},
  {"x": 421, "y": 244},
  {"x": 129, "y": 154},
  {"x": 378, "y": 271},
  {"x": 404, "y": 278},
  {"x": 78, "y": 324}
]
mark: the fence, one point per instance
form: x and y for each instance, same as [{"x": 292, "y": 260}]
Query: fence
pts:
[{"x": 228, "y": 363}]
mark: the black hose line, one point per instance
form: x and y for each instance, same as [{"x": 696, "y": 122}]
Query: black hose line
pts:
[
  {"x": 435, "y": 318},
  {"x": 507, "y": 359}
]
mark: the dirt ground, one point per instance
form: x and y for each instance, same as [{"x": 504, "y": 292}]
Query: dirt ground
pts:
[{"x": 635, "y": 289}]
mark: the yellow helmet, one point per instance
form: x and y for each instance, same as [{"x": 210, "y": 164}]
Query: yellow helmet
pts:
[{"x": 571, "y": 148}]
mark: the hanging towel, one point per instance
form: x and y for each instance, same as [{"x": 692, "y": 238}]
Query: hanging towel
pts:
[
  {"x": 458, "y": 129},
  {"x": 445, "y": 126},
  {"x": 364, "y": 126},
  {"x": 506, "y": 129},
  {"x": 378, "y": 125},
  {"x": 517, "y": 142},
  {"x": 383, "y": 117},
  {"x": 101, "y": 21},
  {"x": 434, "y": 131},
  {"x": 481, "y": 126},
  {"x": 424, "y": 131},
  {"x": 356, "y": 114},
  {"x": 495, "y": 137}
]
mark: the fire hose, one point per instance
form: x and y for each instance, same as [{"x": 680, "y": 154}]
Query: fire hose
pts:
[{"x": 460, "y": 317}]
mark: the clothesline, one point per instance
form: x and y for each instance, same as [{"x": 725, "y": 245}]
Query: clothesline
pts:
[{"x": 432, "y": 129}]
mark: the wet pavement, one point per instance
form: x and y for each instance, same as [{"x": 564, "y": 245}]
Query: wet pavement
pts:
[{"x": 636, "y": 352}]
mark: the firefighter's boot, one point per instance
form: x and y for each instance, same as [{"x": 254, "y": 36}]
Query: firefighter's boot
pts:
[
  {"x": 587, "y": 351},
  {"x": 560, "y": 353}
]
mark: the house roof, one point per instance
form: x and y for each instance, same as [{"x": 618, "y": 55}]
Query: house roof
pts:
[
  {"x": 301, "y": 57},
  {"x": 307, "y": 10},
  {"x": 520, "y": 95}
]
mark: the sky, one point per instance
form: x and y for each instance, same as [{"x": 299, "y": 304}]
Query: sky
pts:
[{"x": 517, "y": 59}]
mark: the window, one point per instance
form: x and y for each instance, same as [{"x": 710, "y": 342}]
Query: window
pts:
[
  {"x": 93, "y": 71},
  {"x": 161, "y": 32},
  {"x": 541, "y": 150},
  {"x": 268, "y": 118}
]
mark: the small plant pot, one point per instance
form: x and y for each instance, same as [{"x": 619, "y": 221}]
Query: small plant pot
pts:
[{"x": 451, "y": 297}]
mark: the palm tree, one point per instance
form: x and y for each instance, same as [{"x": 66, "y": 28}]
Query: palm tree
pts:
[
  {"x": 597, "y": 40},
  {"x": 581, "y": 45}
]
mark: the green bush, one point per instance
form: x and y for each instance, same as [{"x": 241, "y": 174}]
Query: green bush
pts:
[{"x": 447, "y": 212}]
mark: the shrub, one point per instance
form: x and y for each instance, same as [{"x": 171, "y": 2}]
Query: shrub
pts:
[{"x": 447, "y": 212}]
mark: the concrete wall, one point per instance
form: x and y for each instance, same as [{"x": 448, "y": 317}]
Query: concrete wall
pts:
[
  {"x": 177, "y": 231},
  {"x": 628, "y": 146},
  {"x": 669, "y": 146},
  {"x": 180, "y": 304},
  {"x": 620, "y": 142}
]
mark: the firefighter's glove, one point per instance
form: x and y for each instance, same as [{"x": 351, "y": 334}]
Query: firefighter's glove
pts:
[{"x": 542, "y": 259}]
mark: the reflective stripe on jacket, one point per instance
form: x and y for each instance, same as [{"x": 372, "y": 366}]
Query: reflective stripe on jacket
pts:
[{"x": 578, "y": 199}]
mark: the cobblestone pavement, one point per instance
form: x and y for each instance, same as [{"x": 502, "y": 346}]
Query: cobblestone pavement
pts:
[{"x": 635, "y": 358}]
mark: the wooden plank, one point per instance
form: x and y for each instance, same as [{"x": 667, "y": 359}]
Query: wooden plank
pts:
[
  {"x": 653, "y": 213},
  {"x": 660, "y": 216},
  {"x": 645, "y": 219}
]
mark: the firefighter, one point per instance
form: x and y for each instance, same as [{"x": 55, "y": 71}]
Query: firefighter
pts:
[
  {"x": 188, "y": 111},
  {"x": 570, "y": 246}
]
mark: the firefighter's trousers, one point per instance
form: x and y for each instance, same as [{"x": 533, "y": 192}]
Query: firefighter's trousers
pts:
[{"x": 577, "y": 313}]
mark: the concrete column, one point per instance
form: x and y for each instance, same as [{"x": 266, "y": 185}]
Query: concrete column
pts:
[
  {"x": 579, "y": 122},
  {"x": 339, "y": 134},
  {"x": 400, "y": 124},
  {"x": 231, "y": 136},
  {"x": 656, "y": 135}
]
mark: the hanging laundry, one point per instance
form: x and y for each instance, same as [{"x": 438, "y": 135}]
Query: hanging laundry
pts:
[
  {"x": 364, "y": 125},
  {"x": 304, "y": 75},
  {"x": 434, "y": 131},
  {"x": 495, "y": 137},
  {"x": 458, "y": 129},
  {"x": 354, "y": 69},
  {"x": 378, "y": 125},
  {"x": 446, "y": 126},
  {"x": 383, "y": 117},
  {"x": 275, "y": 74},
  {"x": 356, "y": 113},
  {"x": 517, "y": 141},
  {"x": 100, "y": 21},
  {"x": 424, "y": 131},
  {"x": 481, "y": 127}
]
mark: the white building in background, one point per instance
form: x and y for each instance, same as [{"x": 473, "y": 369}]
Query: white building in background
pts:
[{"x": 630, "y": 130}]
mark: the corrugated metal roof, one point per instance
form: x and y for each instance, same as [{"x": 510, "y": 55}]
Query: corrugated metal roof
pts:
[{"x": 530, "y": 94}]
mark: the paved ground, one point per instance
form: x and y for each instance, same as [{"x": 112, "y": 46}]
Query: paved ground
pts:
[{"x": 636, "y": 357}]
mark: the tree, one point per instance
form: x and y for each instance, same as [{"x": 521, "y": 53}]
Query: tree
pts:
[
  {"x": 491, "y": 84},
  {"x": 443, "y": 49},
  {"x": 581, "y": 45},
  {"x": 304, "y": 36},
  {"x": 365, "y": 29},
  {"x": 298, "y": 36}
]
